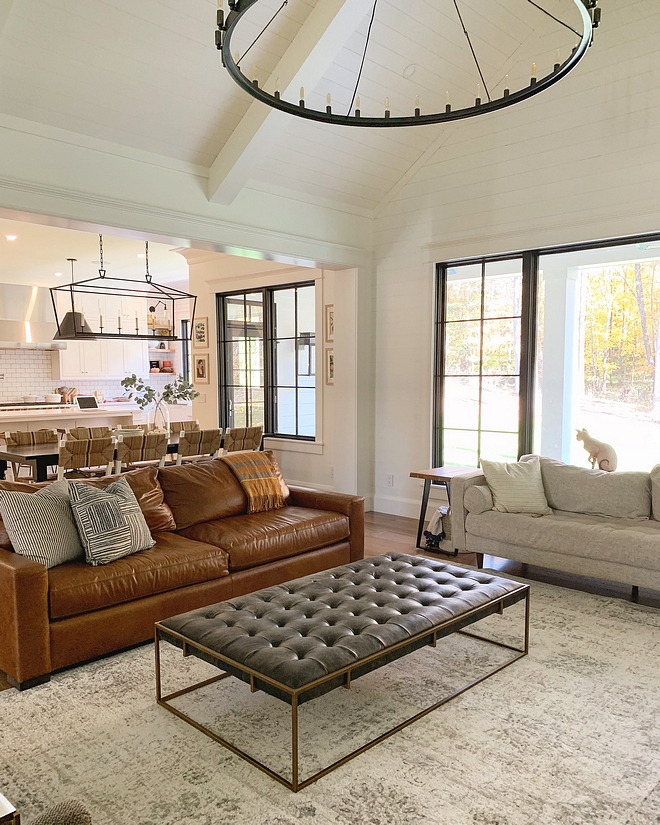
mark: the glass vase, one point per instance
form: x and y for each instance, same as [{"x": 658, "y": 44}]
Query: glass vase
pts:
[{"x": 158, "y": 418}]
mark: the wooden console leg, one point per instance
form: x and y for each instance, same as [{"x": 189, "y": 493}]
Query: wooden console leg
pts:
[
  {"x": 29, "y": 683},
  {"x": 480, "y": 561}
]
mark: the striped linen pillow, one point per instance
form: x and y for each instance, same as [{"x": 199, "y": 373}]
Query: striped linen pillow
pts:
[
  {"x": 110, "y": 522},
  {"x": 40, "y": 525},
  {"x": 516, "y": 487}
]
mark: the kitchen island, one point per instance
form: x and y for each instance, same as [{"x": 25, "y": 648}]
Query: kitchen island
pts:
[{"x": 65, "y": 416}]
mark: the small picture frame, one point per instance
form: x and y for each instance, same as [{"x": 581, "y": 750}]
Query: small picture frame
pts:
[
  {"x": 329, "y": 323},
  {"x": 330, "y": 367},
  {"x": 201, "y": 369},
  {"x": 200, "y": 336}
]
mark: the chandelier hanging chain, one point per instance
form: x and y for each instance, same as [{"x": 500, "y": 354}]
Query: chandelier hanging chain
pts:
[
  {"x": 101, "y": 267},
  {"x": 556, "y": 19},
  {"x": 465, "y": 32},
  {"x": 285, "y": 3},
  {"x": 364, "y": 57},
  {"x": 146, "y": 262}
]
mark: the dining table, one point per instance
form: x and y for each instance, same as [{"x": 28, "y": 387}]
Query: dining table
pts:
[{"x": 42, "y": 456}]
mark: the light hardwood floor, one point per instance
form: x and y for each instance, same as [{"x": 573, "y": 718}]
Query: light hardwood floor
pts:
[{"x": 394, "y": 534}]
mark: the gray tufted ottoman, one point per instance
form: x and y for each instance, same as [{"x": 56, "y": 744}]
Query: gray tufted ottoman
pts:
[{"x": 299, "y": 640}]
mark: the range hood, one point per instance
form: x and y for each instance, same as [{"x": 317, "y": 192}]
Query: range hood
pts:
[{"x": 27, "y": 320}]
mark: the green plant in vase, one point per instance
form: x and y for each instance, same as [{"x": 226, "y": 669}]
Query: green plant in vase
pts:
[{"x": 147, "y": 397}]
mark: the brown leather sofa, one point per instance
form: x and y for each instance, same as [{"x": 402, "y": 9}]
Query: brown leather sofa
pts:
[{"x": 207, "y": 549}]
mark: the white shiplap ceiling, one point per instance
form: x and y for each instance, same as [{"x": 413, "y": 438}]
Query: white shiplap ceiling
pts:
[{"x": 145, "y": 75}]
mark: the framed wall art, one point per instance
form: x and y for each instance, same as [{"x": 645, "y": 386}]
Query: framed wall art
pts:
[
  {"x": 330, "y": 367},
  {"x": 201, "y": 369},
  {"x": 200, "y": 333},
  {"x": 329, "y": 323}
]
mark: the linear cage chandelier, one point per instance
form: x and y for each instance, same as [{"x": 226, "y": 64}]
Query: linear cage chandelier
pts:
[
  {"x": 485, "y": 100},
  {"x": 119, "y": 308}
]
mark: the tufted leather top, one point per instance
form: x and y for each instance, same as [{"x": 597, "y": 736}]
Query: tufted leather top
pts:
[{"x": 307, "y": 629}]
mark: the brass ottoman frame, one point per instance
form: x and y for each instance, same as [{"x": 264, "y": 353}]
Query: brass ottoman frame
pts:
[{"x": 295, "y": 784}]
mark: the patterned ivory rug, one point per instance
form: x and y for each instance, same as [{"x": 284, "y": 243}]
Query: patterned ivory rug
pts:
[{"x": 568, "y": 735}]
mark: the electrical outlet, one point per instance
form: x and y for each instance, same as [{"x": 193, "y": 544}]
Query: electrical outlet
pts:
[{"x": 390, "y": 480}]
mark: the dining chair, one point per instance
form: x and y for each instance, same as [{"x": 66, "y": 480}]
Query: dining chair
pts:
[
  {"x": 243, "y": 438},
  {"x": 87, "y": 432},
  {"x": 140, "y": 450},
  {"x": 198, "y": 445},
  {"x": 88, "y": 457},
  {"x": 28, "y": 439},
  {"x": 188, "y": 426}
]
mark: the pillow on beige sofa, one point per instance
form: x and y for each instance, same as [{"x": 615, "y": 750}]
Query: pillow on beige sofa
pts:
[
  {"x": 516, "y": 487},
  {"x": 478, "y": 499},
  {"x": 595, "y": 492}
]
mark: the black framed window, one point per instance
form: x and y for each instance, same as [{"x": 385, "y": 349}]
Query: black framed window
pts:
[
  {"x": 267, "y": 358},
  {"x": 484, "y": 358},
  {"x": 186, "y": 357}
]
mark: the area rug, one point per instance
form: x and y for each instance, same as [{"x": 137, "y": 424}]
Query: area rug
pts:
[{"x": 569, "y": 734}]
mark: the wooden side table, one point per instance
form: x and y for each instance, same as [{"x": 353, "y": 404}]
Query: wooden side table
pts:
[
  {"x": 8, "y": 814},
  {"x": 437, "y": 475}
]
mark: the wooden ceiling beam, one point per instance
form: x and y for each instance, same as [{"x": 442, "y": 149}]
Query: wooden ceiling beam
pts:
[{"x": 327, "y": 28}]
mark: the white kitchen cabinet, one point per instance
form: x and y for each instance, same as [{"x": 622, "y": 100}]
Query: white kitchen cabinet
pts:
[
  {"x": 80, "y": 359},
  {"x": 112, "y": 358}
]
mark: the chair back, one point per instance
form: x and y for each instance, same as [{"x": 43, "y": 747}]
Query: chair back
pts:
[
  {"x": 243, "y": 438},
  {"x": 141, "y": 447},
  {"x": 85, "y": 433},
  {"x": 25, "y": 439},
  {"x": 198, "y": 443},
  {"x": 82, "y": 453},
  {"x": 180, "y": 426}
]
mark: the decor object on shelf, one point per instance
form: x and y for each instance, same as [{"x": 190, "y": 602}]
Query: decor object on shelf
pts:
[
  {"x": 157, "y": 325},
  {"x": 330, "y": 367},
  {"x": 157, "y": 402},
  {"x": 201, "y": 333},
  {"x": 329, "y": 323},
  {"x": 589, "y": 12},
  {"x": 201, "y": 369},
  {"x": 599, "y": 452}
]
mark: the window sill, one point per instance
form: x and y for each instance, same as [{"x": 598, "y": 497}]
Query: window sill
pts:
[{"x": 293, "y": 445}]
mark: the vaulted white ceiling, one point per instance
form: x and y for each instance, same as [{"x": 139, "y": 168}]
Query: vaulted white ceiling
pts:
[{"x": 145, "y": 75}]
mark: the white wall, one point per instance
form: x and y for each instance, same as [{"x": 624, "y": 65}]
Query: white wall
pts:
[{"x": 578, "y": 162}]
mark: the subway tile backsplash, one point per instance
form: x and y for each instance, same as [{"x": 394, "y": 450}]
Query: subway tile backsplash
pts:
[{"x": 29, "y": 372}]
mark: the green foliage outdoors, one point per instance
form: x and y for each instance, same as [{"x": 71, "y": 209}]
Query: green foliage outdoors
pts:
[{"x": 621, "y": 333}]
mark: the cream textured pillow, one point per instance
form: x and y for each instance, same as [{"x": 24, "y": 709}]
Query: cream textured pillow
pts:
[{"x": 516, "y": 488}]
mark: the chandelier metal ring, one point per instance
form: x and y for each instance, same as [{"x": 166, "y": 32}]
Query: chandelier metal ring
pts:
[{"x": 226, "y": 26}]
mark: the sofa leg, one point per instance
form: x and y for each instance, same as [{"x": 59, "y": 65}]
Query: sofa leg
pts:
[
  {"x": 635, "y": 592},
  {"x": 480, "y": 561},
  {"x": 29, "y": 683}
]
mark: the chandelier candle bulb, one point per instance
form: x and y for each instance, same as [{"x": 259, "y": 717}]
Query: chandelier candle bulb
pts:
[
  {"x": 507, "y": 91},
  {"x": 418, "y": 110},
  {"x": 277, "y": 88},
  {"x": 255, "y": 75},
  {"x": 302, "y": 97},
  {"x": 477, "y": 102},
  {"x": 387, "y": 107},
  {"x": 533, "y": 78},
  {"x": 357, "y": 107},
  {"x": 557, "y": 61},
  {"x": 448, "y": 103}
]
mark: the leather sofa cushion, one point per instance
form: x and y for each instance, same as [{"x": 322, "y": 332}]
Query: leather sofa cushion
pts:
[
  {"x": 173, "y": 562},
  {"x": 258, "y": 538},
  {"x": 149, "y": 494},
  {"x": 202, "y": 492},
  {"x": 143, "y": 482}
]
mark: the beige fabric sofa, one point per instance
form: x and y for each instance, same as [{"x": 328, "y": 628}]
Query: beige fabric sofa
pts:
[{"x": 605, "y": 525}]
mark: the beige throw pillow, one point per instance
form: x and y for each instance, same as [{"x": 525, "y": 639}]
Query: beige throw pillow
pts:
[{"x": 516, "y": 488}]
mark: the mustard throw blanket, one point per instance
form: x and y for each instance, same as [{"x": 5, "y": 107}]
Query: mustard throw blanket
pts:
[{"x": 260, "y": 478}]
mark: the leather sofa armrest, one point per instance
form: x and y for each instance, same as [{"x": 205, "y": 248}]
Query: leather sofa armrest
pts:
[
  {"x": 24, "y": 623},
  {"x": 459, "y": 485},
  {"x": 351, "y": 506}
]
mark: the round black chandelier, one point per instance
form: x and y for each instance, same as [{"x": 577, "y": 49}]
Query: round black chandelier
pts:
[{"x": 589, "y": 11}]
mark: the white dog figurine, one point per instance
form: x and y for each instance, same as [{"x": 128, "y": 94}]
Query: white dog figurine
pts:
[{"x": 599, "y": 453}]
